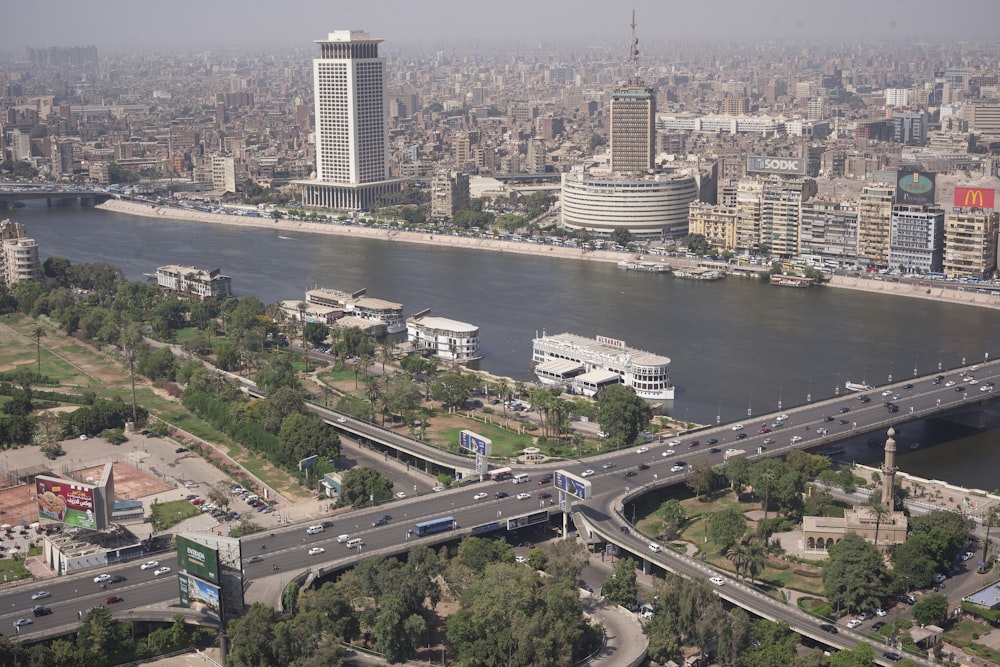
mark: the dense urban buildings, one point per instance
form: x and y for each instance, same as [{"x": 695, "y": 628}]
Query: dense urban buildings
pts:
[{"x": 656, "y": 148}]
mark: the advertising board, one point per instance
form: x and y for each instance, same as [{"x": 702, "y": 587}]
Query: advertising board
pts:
[
  {"x": 915, "y": 187},
  {"x": 574, "y": 486},
  {"x": 974, "y": 197},
  {"x": 474, "y": 442},
  {"x": 197, "y": 559},
  {"x": 69, "y": 502},
  {"x": 201, "y": 596},
  {"x": 763, "y": 164}
]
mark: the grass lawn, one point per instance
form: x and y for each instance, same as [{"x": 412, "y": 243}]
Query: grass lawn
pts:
[
  {"x": 169, "y": 514},
  {"x": 13, "y": 570},
  {"x": 505, "y": 443},
  {"x": 962, "y": 633}
]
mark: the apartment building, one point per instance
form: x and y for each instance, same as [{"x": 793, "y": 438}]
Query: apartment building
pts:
[
  {"x": 916, "y": 238},
  {"x": 193, "y": 281},
  {"x": 874, "y": 220},
  {"x": 18, "y": 254},
  {"x": 970, "y": 243},
  {"x": 449, "y": 194}
]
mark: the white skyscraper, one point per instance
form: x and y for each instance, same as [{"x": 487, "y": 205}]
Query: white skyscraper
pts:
[{"x": 351, "y": 131}]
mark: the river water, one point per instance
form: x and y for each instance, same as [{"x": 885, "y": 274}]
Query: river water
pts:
[{"x": 736, "y": 345}]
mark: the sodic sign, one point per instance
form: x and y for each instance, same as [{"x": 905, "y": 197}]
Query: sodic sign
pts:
[
  {"x": 974, "y": 197},
  {"x": 776, "y": 165}
]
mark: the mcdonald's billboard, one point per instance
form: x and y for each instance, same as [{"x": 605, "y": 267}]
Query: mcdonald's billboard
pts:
[{"x": 974, "y": 197}]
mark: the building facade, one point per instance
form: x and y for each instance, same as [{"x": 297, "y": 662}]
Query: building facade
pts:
[
  {"x": 633, "y": 129},
  {"x": 829, "y": 230},
  {"x": 916, "y": 238},
  {"x": 874, "y": 220},
  {"x": 970, "y": 243},
  {"x": 716, "y": 223},
  {"x": 18, "y": 254},
  {"x": 352, "y": 135},
  {"x": 449, "y": 194}
]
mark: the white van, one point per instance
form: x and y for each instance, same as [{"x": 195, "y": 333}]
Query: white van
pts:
[
  {"x": 312, "y": 530},
  {"x": 521, "y": 479},
  {"x": 355, "y": 543}
]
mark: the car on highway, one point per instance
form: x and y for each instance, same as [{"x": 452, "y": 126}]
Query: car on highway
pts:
[
  {"x": 712, "y": 441},
  {"x": 950, "y": 383},
  {"x": 149, "y": 564},
  {"x": 677, "y": 467},
  {"x": 674, "y": 443},
  {"x": 401, "y": 494},
  {"x": 343, "y": 538},
  {"x": 500, "y": 494},
  {"x": 960, "y": 388},
  {"x": 844, "y": 409},
  {"x": 40, "y": 595},
  {"x": 380, "y": 521},
  {"x": 828, "y": 418},
  {"x": 796, "y": 438},
  {"x": 827, "y": 627},
  {"x": 113, "y": 599},
  {"x": 22, "y": 621},
  {"x": 642, "y": 450},
  {"x": 41, "y": 610},
  {"x": 764, "y": 429},
  {"x": 480, "y": 495},
  {"x": 737, "y": 427},
  {"x": 843, "y": 422},
  {"x": 437, "y": 489},
  {"x": 781, "y": 418},
  {"x": 907, "y": 386},
  {"x": 315, "y": 551},
  {"x": 256, "y": 558},
  {"x": 587, "y": 473},
  {"x": 655, "y": 548},
  {"x": 718, "y": 581},
  {"x": 629, "y": 473},
  {"x": 642, "y": 466},
  {"x": 854, "y": 623},
  {"x": 741, "y": 436},
  {"x": 545, "y": 480},
  {"x": 608, "y": 465},
  {"x": 887, "y": 392},
  {"x": 161, "y": 570},
  {"x": 768, "y": 441},
  {"x": 892, "y": 655},
  {"x": 694, "y": 443},
  {"x": 822, "y": 431},
  {"x": 341, "y": 420},
  {"x": 668, "y": 452},
  {"x": 544, "y": 495},
  {"x": 102, "y": 578},
  {"x": 523, "y": 496}
]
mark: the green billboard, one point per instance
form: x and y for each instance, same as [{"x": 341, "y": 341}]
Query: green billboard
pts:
[{"x": 197, "y": 559}]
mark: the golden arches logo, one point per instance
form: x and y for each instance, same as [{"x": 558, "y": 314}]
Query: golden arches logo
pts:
[{"x": 973, "y": 198}]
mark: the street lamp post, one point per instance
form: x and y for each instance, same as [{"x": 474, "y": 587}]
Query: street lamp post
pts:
[
  {"x": 779, "y": 398},
  {"x": 718, "y": 414}
]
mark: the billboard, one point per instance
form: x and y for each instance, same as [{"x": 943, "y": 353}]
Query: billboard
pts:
[
  {"x": 915, "y": 187},
  {"x": 475, "y": 443},
  {"x": 574, "y": 486},
  {"x": 763, "y": 164},
  {"x": 974, "y": 197},
  {"x": 200, "y": 596},
  {"x": 197, "y": 559},
  {"x": 71, "y": 503}
]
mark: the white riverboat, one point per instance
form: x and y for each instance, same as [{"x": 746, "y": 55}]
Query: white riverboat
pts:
[
  {"x": 358, "y": 304},
  {"x": 587, "y": 365},
  {"x": 857, "y": 386}
]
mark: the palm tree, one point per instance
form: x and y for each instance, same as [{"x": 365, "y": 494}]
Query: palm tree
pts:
[
  {"x": 767, "y": 477},
  {"x": 374, "y": 394},
  {"x": 38, "y": 333},
  {"x": 880, "y": 513},
  {"x": 757, "y": 559},
  {"x": 991, "y": 519},
  {"x": 503, "y": 393},
  {"x": 738, "y": 554},
  {"x": 130, "y": 351}
]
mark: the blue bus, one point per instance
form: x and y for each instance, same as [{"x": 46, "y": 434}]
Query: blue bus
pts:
[{"x": 435, "y": 526}]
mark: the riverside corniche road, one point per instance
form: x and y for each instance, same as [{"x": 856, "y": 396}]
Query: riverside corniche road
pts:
[{"x": 287, "y": 548}]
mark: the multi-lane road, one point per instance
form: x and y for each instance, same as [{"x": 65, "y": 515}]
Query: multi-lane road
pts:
[{"x": 285, "y": 550}]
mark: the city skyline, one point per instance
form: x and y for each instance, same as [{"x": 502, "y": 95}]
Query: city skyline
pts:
[{"x": 116, "y": 26}]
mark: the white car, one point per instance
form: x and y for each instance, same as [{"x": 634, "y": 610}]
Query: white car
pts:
[
  {"x": 102, "y": 578},
  {"x": 161, "y": 570},
  {"x": 887, "y": 392},
  {"x": 40, "y": 594},
  {"x": 737, "y": 427},
  {"x": 642, "y": 450},
  {"x": 968, "y": 555},
  {"x": 674, "y": 443},
  {"x": 949, "y": 383},
  {"x": 781, "y": 418},
  {"x": 341, "y": 420},
  {"x": 655, "y": 548},
  {"x": 853, "y": 623},
  {"x": 343, "y": 538},
  {"x": 523, "y": 496},
  {"x": 586, "y": 473},
  {"x": 520, "y": 559},
  {"x": 315, "y": 551},
  {"x": 718, "y": 581},
  {"x": 401, "y": 494},
  {"x": 436, "y": 489},
  {"x": 480, "y": 495},
  {"x": 881, "y": 612},
  {"x": 149, "y": 564},
  {"x": 796, "y": 438},
  {"x": 731, "y": 451},
  {"x": 668, "y": 452},
  {"x": 676, "y": 468}
]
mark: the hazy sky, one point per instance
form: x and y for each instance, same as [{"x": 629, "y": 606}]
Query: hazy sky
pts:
[{"x": 118, "y": 25}]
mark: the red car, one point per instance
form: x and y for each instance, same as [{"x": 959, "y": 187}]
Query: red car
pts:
[
  {"x": 694, "y": 443},
  {"x": 198, "y": 501},
  {"x": 112, "y": 599},
  {"x": 544, "y": 495},
  {"x": 764, "y": 429}
]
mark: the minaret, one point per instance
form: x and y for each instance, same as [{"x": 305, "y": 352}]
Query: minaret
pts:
[{"x": 889, "y": 471}]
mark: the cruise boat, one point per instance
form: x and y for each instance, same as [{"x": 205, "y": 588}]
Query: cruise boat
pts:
[
  {"x": 857, "y": 386},
  {"x": 587, "y": 365},
  {"x": 359, "y": 305}
]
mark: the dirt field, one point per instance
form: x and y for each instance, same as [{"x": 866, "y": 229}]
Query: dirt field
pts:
[{"x": 17, "y": 503}]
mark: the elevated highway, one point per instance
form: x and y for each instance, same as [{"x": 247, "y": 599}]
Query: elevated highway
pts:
[{"x": 285, "y": 550}]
